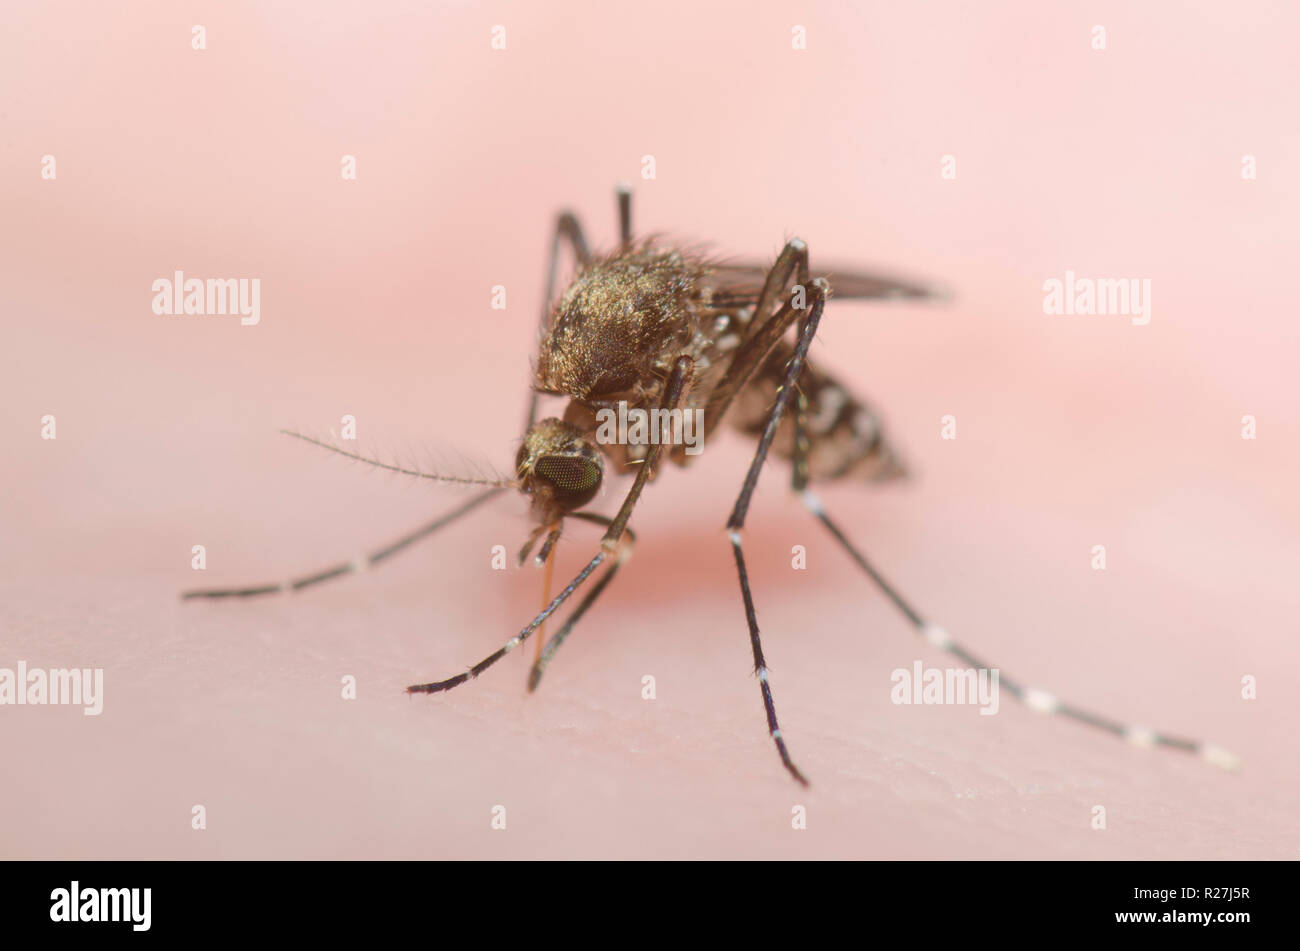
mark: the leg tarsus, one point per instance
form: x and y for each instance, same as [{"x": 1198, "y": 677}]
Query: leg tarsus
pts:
[
  {"x": 736, "y": 522},
  {"x": 349, "y": 567},
  {"x": 623, "y": 554},
  {"x": 1038, "y": 700},
  {"x": 439, "y": 686}
]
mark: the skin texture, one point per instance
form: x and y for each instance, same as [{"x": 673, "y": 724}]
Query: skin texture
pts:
[{"x": 1071, "y": 431}]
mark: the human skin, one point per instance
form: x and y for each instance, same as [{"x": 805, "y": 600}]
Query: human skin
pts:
[{"x": 1072, "y": 431}]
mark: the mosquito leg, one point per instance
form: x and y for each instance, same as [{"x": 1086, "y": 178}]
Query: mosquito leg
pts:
[
  {"x": 736, "y": 523},
  {"x": 357, "y": 564},
  {"x": 546, "y": 558},
  {"x": 673, "y": 391},
  {"x": 625, "y": 215},
  {"x": 486, "y": 662},
  {"x": 544, "y": 553},
  {"x": 553, "y": 645},
  {"x": 1038, "y": 700},
  {"x": 799, "y": 460},
  {"x": 765, "y": 331},
  {"x": 567, "y": 228},
  {"x": 553, "y": 535}
]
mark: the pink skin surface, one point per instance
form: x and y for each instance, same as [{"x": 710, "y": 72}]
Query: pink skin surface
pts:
[{"x": 1072, "y": 431}]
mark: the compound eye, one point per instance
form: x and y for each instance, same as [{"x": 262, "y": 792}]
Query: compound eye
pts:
[{"x": 575, "y": 478}]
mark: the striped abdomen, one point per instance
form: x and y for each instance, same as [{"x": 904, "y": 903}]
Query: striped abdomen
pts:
[{"x": 845, "y": 436}]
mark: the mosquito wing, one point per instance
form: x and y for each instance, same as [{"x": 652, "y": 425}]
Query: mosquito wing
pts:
[{"x": 741, "y": 283}]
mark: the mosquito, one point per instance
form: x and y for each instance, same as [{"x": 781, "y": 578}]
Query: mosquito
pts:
[{"x": 655, "y": 326}]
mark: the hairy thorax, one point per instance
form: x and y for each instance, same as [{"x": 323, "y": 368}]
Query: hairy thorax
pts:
[
  {"x": 615, "y": 333},
  {"x": 620, "y": 325}
]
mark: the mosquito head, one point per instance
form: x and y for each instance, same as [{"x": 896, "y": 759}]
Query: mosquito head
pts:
[{"x": 559, "y": 468}]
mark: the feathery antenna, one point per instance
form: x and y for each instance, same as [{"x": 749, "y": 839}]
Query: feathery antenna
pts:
[{"x": 483, "y": 480}]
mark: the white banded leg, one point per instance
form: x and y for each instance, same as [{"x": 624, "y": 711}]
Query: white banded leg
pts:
[
  {"x": 358, "y": 564},
  {"x": 736, "y": 523},
  {"x": 1038, "y": 700}
]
